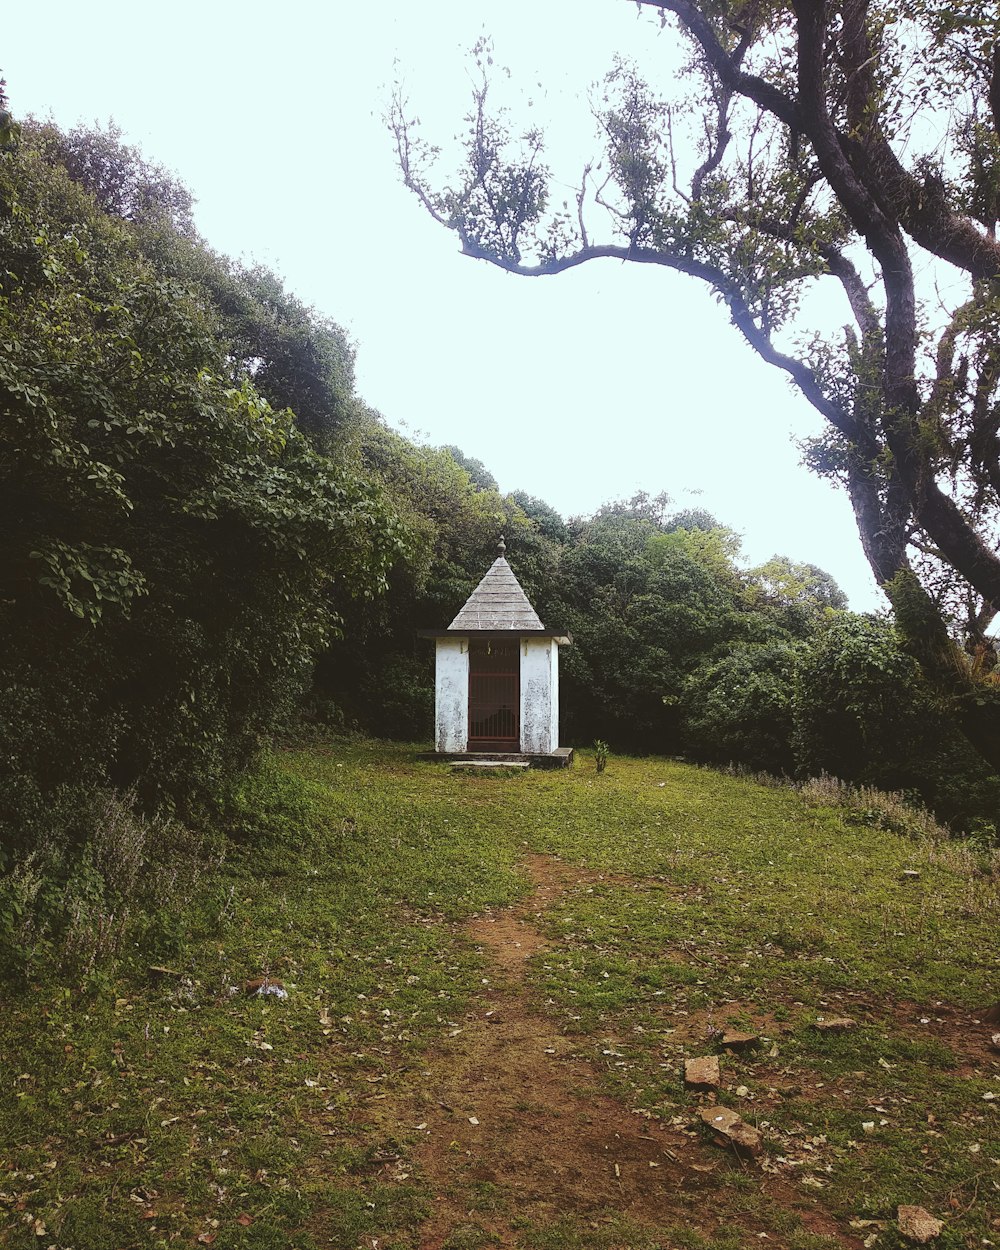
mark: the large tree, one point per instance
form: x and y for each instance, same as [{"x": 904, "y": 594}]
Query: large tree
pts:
[
  {"x": 171, "y": 540},
  {"x": 853, "y": 143},
  {"x": 298, "y": 359}
]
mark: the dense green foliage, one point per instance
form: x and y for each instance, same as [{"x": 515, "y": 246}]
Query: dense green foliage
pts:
[
  {"x": 792, "y": 155},
  {"x": 680, "y": 650},
  {"x": 203, "y": 523},
  {"x": 677, "y": 648},
  {"x": 172, "y": 539},
  {"x": 864, "y": 712}
]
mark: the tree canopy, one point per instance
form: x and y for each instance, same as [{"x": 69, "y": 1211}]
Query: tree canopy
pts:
[
  {"x": 203, "y": 520},
  {"x": 206, "y": 529},
  {"x": 851, "y": 143},
  {"x": 172, "y": 540}
]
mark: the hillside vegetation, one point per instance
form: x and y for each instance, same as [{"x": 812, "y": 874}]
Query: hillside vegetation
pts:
[
  {"x": 335, "y": 996},
  {"x": 153, "y": 1102},
  {"x": 209, "y": 534}
]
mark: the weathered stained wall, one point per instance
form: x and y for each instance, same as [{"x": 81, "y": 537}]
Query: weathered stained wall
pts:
[
  {"x": 451, "y": 695},
  {"x": 539, "y": 695},
  {"x": 554, "y": 699}
]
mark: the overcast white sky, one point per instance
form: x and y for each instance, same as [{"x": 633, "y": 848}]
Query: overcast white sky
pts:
[{"x": 579, "y": 389}]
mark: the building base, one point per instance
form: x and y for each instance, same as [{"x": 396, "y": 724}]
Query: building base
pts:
[{"x": 561, "y": 757}]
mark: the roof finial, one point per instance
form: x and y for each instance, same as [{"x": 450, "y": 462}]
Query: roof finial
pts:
[{"x": 501, "y": 545}]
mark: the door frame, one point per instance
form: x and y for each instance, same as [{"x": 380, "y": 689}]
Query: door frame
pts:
[{"x": 511, "y": 695}]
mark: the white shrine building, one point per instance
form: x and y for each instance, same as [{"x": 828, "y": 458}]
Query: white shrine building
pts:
[{"x": 496, "y": 689}]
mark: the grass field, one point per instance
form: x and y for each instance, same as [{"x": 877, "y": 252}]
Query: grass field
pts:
[{"x": 654, "y": 905}]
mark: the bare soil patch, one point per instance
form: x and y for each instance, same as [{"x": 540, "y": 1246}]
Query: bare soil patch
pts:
[{"x": 514, "y": 1131}]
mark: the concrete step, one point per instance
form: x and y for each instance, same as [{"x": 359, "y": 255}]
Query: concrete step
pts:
[
  {"x": 561, "y": 757},
  {"x": 464, "y": 765}
]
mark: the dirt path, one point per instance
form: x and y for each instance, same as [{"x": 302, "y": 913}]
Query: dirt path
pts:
[{"x": 515, "y": 1131}]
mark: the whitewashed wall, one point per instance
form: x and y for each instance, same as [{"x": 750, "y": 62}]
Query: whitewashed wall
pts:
[
  {"x": 539, "y": 695},
  {"x": 451, "y": 695},
  {"x": 554, "y": 699}
]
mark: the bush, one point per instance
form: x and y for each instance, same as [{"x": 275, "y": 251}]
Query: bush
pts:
[
  {"x": 881, "y": 809},
  {"x": 270, "y": 808},
  {"x": 126, "y": 882},
  {"x": 863, "y": 712},
  {"x": 171, "y": 542},
  {"x": 739, "y": 708}
]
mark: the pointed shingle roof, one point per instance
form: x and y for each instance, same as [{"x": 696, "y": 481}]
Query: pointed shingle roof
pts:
[{"x": 498, "y": 603}]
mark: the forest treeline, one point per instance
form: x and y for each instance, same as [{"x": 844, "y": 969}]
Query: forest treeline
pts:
[{"x": 209, "y": 539}]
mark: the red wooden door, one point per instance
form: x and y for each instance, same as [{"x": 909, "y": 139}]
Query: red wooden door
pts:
[{"x": 494, "y": 696}]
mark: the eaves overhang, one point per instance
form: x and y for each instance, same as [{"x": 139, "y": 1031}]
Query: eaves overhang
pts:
[{"x": 562, "y": 639}]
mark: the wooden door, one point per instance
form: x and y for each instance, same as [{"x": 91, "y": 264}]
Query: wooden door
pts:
[{"x": 494, "y": 696}]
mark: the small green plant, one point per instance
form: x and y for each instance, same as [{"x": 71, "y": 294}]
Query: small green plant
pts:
[{"x": 601, "y": 753}]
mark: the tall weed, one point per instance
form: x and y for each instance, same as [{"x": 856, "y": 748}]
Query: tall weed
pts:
[
  {"x": 128, "y": 882},
  {"x": 882, "y": 809}
]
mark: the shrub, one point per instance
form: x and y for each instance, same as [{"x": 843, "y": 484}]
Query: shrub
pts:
[
  {"x": 171, "y": 542},
  {"x": 739, "y": 707},
  {"x": 268, "y": 807},
  {"x": 125, "y": 882},
  {"x": 863, "y": 712},
  {"x": 865, "y": 805}
]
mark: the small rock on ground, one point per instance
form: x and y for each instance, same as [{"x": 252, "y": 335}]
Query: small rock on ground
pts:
[
  {"x": 735, "y": 1040},
  {"x": 265, "y": 987},
  {"x": 835, "y": 1024},
  {"x": 918, "y": 1225},
  {"x": 702, "y": 1073},
  {"x": 732, "y": 1130}
]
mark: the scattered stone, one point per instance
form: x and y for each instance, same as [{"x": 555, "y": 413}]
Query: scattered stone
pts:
[
  {"x": 918, "y": 1225},
  {"x": 734, "y": 1040},
  {"x": 702, "y": 1073},
  {"x": 995, "y": 1042},
  {"x": 732, "y": 1130},
  {"x": 835, "y": 1024},
  {"x": 265, "y": 987},
  {"x": 910, "y": 874}
]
